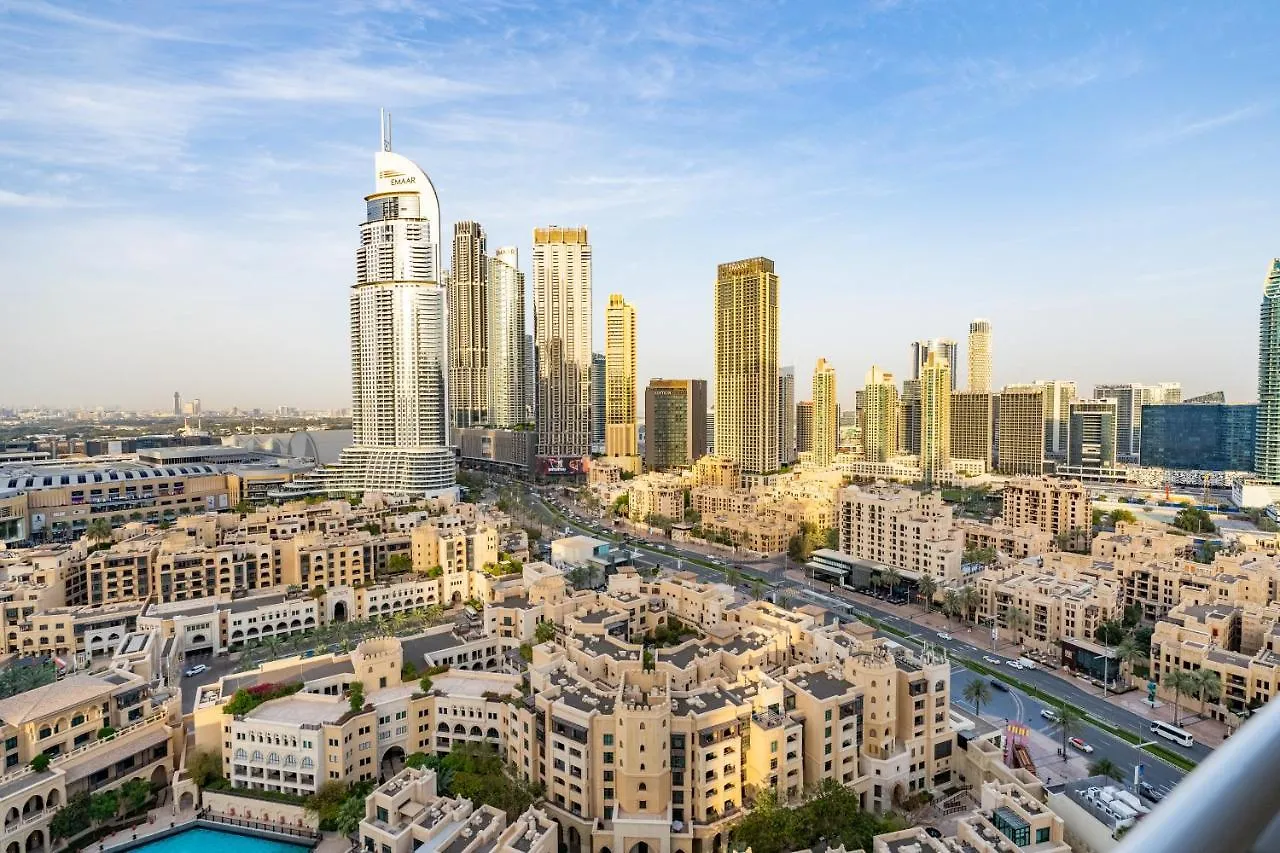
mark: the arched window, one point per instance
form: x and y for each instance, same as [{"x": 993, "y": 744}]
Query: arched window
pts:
[
  {"x": 307, "y": 764},
  {"x": 290, "y": 760},
  {"x": 241, "y": 755},
  {"x": 643, "y": 787},
  {"x": 273, "y": 758},
  {"x": 257, "y": 755}
]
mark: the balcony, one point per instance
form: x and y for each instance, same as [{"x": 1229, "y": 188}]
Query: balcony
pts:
[{"x": 1229, "y": 803}]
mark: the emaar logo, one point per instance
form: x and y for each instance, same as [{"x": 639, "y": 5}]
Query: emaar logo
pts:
[{"x": 408, "y": 180}]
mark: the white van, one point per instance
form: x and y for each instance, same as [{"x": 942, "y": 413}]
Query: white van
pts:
[{"x": 1027, "y": 663}]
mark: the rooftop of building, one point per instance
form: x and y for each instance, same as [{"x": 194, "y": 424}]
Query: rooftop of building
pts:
[
  {"x": 62, "y": 695},
  {"x": 300, "y": 708}
]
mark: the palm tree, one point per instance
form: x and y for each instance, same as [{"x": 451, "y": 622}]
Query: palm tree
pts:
[
  {"x": 732, "y": 576},
  {"x": 784, "y": 601},
  {"x": 1128, "y": 653},
  {"x": 1208, "y": 686},
  {"x": 970, "y": 598},
  {"x": 892, "y": 577},
  {"x": 272, "y": 645},
  {"x": 1017, "y": 620},
  {"x": 1179, "y": 681},
  {"x": 951, "y": 603},
  {"x": 926, "y": 589},
  {"x": 757, "y": 589},
  {"x": 1069, "y": 720},
  {"x": 1106, "y": 767},
  {"x": 99, "y": 530},
  {"x": 978, "y": 692}
]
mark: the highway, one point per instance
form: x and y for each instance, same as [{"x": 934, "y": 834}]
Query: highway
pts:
[{"x": 1015, "y": 704}]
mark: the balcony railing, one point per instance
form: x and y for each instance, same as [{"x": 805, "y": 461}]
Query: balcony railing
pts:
[{"x": 1229, "y": 803}]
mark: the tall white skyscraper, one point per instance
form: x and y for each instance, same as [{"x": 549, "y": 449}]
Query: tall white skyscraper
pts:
[
  {"x": 979, "y": 356},
  {"x": 399, "y": 352},
  {"x": 1059, "y": 394},
  {"x": 507, "y": 404},
  {"x": 562, "y": 339}
]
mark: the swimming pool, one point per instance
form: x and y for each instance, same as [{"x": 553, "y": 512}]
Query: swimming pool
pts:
[{"x": 202, "y": 839}]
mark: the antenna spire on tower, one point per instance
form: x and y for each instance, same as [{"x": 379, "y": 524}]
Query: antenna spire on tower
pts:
[{"x": 385, "y": 122}]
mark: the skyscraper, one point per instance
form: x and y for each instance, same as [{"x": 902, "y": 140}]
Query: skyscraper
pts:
[
  {"x": 825, "y": 435},
  {"x": 507, "y": 369},
  {"x": 1091, "y": 447},
  {"x": 1058, "y": 396},
  {"x": 1020, "y": 430},
  {"x": 1204, "y": 436},
  {"x": 945, "y": 347},
  {"x": 972, "y": 414},
  {"x": 935, "y": 416},
  {"x": 620, "y": 439},
  {"x": 562, "y": 339},
  {"x": 909, "y": 417},
  {"x": 787, "y": 414},
  {"x": 598, "y": 404},
  {"x": 467, "y": 287},
  {"x": 880, "y": 413},
  {"x": 530, "y": 380},
  {"x": 979, "y": 355},
  {"x": 399, "y": 343},
  {"x": 804, "y": 426},
  {"x": 675, "y": 422},
  {"x": 746, "y": 353},
  {"x": 177, "y": 404},
  {"x": 1267, "y": 435},
  {"x": 1130, "y": 398}
]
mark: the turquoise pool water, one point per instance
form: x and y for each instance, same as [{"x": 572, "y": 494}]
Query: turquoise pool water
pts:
[{"x": 202, "y": 840}]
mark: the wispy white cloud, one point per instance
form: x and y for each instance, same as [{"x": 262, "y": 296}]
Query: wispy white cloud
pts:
[
  {"x": 60, "y": 15},
  {"x": 27, "y": 200},
  {"x": 1188, "y": 127}
]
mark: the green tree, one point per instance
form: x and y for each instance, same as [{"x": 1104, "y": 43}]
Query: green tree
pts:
[
  {"x": 1208, "y": 686},
  {"x": 1097, "y": 518},
  {"x": 135, "y": 794},
  {"x": 1120, "y": 515},
  {"x": 350, "y": 813},
  {"x": 1109, "y": 633},
  {"x": 1194, "y": 520},
  {"x": 356, "y": 695},
  {"x": 951, "y": 605},
  {"x": 892, "y": 577},
  {"x": 73, "y": 818},
  {"x": 545, "y": 632},
  {"x": 1133, "y": 614},
  {"x": 1106, "y": 767},
  {"x": 398, "y": 564},
  {"x": 40, "y": 763},
  {"x": 829, "y": 812},
  {"x": 204, "y": 766},
  {"x": 1128, "y": 653},
  {"x": 981, "y": 556},
  {"x": 1018, "y": 621},
  {"x": 757, "y": 589},
  {"x": 104, "y": 806},
  {"x": 926, "y": 589},
  {"x": 327, "y": 801},
  {"x": 978, "y": 692},
  {"x": 970, "y": 598},
  {"x": 98, "y": 531}
]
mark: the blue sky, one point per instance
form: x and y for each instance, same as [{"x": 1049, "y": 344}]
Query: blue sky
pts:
[{"x": 181, "y": 183}]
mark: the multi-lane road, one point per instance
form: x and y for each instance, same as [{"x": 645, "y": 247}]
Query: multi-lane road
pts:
[{"x": 1013, "y": 704}]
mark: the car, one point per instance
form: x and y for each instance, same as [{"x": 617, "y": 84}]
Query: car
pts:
[
  {"x": 1148, "y": 792},
  {"x": 1015, "y": 664},
  {"x": 989, "y": 659},
  {"x": 1080, "y": 744},
  {"x": 1049, "y": 714},
  {"x": 195, "y": 670},
  {"x": 932, "y": 832},
  {"x": 999, "y": 685},
  {"x": 943, "y": 635}
]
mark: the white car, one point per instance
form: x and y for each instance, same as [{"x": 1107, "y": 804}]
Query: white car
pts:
[
  {"x": 943, "y": 635},
  {"x": 1015, "y": 664},
  {"x": 989, "y": 659},
  {"x": 196, "y": 670},
  {"x": 1079, "y": 744},
  {"x": 1049, "y": 714}
]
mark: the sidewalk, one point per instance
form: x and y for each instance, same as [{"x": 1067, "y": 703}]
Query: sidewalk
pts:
[
  {"x": 161, "y": 818},
  {"x": 1206, "y": 730}
]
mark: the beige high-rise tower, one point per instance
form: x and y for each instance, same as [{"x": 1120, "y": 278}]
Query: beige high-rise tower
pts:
[
  {"x": 935, "y": 416},
  {"x": 746, "y": 330},
  {"x": 1020, "y": 428},
  {"x": 562, "y": 340},
  {"x": 979, "y": 355},
  {"x": 620, "y": 441},
  {"x": 825, "y": 429},
  {"x": 880, "y": 410},
  {"x": 468, "y": 287}
]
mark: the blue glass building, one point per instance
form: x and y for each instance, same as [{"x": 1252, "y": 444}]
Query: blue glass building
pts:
[{"x": 1200, "y": 436}]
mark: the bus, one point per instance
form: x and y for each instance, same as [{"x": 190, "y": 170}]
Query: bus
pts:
[{"x": 1168, "y": 732}]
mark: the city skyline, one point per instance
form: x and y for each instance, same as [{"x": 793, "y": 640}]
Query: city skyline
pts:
[{"x": 1138, "y": 201}]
